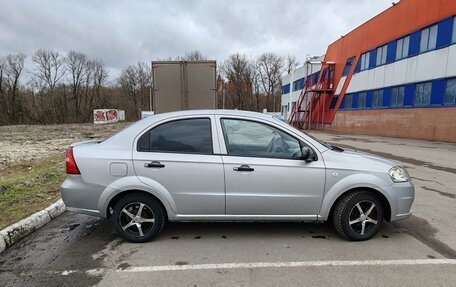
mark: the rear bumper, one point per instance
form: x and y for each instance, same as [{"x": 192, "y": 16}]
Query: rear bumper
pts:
[{"x": 80, "y": 196}]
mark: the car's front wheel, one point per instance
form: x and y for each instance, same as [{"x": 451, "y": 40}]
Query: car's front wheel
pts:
[
  {"x": 138, "y": 218},
  {"x": 358, "y": 215}
]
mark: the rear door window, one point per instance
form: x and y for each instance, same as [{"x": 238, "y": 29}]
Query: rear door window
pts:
[{"x": 180, "y": 136}]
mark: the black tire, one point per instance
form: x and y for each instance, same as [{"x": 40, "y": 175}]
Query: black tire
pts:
[
  {"x": 149, "y": 223},
  {"x": 348, "y": 219}
]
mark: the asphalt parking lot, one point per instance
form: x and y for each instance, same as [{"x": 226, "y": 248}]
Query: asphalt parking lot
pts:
[{"x": 79, "y": 250}]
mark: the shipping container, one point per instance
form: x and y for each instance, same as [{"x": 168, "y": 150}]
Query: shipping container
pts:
[{"x": 183, "y": 85}]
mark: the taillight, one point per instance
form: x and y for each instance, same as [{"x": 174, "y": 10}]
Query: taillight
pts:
[{"x": 71, "y": 167}]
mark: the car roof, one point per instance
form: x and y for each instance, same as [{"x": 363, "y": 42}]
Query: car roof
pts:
[{"x": 214, "y": 112}]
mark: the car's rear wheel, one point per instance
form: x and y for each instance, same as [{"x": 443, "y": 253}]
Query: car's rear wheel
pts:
[
  {"x": 138, "y": 218},
  {"x": 358, "y": 215}
]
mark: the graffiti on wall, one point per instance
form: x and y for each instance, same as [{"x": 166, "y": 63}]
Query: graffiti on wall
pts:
[{"x": 103, "y": 116}]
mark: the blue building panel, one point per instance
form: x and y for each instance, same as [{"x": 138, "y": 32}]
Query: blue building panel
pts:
[
  {"x": 358, "y": 66},
  {"x": 373, "y": 58},
  {"x": 342, "y": 104},
  {"x": 391, "y": 52},
  {"x": 387, "y": 97},
  {"x": 438, "y": 92},
  {"x": 355, "y": 101},
  {"x": 409, "y": 93},
  {"x": 444, "y": 33},
  {"x": 285, "y": 89},
  {"x": 414, "y": 46},
  {"x": 369, "y": 99}
]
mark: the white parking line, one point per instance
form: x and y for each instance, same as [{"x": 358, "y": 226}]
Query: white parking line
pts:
[{"x": 142, "y": 269}]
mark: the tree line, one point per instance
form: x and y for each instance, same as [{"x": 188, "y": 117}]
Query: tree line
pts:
[{"x": 65, "y": 88}]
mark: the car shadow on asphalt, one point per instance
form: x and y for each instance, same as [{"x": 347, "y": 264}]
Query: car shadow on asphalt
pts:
[{"x": 246, "y": 230}]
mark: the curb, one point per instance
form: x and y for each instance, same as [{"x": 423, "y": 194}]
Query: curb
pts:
[{"x": 15, "y": 232}]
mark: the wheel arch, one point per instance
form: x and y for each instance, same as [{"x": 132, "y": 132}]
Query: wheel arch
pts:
[
  {"x": 385, "y": 203},
  {"x": 113, "y": 201}
]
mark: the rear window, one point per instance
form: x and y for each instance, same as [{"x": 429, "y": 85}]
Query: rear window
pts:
[{"x": 181, "y": 136}]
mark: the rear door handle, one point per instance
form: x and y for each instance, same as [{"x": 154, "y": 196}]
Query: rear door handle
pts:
[
  {"x": 243, "y": 167},
  {"x": 154, "y": 164}
]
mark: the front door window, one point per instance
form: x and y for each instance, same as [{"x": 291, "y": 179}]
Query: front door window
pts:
[{"x": 248, "y": 138}]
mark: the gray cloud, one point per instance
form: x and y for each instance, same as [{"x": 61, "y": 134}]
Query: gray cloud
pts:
[{"x": 124, "y": 32}]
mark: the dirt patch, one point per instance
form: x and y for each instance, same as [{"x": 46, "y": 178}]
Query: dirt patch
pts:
[{"x": 30, "y": 142}]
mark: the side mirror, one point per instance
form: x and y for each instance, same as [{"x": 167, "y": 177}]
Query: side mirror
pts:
[{"x": 307, "y": 154}]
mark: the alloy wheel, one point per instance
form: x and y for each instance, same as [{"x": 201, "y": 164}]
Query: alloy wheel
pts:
[
  {"x": 363, "y": 217},
  {"x": 137, "y": 219}
]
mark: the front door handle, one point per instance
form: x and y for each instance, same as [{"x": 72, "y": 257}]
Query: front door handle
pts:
[
  {"x": 243, "y": 167},
  {"x": 154, "y": 164}
]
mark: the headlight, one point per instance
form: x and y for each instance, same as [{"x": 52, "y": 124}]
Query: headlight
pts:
[{"x": 398, "y": 174}]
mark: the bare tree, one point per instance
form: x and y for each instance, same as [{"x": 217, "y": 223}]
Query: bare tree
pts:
[
  {"x": 135, "y": 82},
  {"x": 238, "y": 73},
  {"x": 99, "y": 78},
  {"x": 78, "y": 67},
  {"x": 291, "y": 63},
  {"x": 47, "y": 74},
  {"x": 194, "y": 55},
  {"x": 11, "y": 68},
  {"x": 48, "y": 67},
  {"x": 270, "y": 68},
  {"x": 256, "y": 86}
]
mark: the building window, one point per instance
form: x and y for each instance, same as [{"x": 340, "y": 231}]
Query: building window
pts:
[
  {"x": 381, "y": 55},
  {"x": 450, "y": 92},
  {"x": 454, "y": 30},
  {"x": 295, "y": 86},
  {"x": 362, "y": 100},
  {"x": 285, "y": 89},
  {"x": 348, "y": 101},
  {"x": 348, "y": 66},
  {"x": 377, "y": 99},
  {"x": 428, "y": 38},
  {"x": 402, "y": 48},
  {"x": 422, "y": 94},
  {"x": 365, "y": 61},
  {"x": 298, "y": 84},
  {"x": 397, "y": 99},
  {"x": 333, "y": 102}
]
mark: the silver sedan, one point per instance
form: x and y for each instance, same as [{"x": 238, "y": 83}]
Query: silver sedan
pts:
[{"x": 230, "y": 165}]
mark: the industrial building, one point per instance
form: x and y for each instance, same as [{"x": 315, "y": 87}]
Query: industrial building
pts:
[
  {"x": 394, "y": 75},
  {"x": 294, "y": 83}
]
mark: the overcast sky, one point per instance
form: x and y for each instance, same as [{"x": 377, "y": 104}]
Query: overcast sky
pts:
[{"x": 125, "y": 32}]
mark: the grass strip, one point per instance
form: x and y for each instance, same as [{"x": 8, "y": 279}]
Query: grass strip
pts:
[{"x": 29, "y": 187}]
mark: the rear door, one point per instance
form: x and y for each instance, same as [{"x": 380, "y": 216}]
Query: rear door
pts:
[
  {"x": 180, "y": 155},
  {"x": 264, "y": 174}
]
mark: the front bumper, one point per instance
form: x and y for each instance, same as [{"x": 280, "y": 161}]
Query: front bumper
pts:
[{"x": 401, "y": 199}]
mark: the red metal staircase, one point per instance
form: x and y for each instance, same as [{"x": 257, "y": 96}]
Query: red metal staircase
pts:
[{"x": 314, "y": 96}]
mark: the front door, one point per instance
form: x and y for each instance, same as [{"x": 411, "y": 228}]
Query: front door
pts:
[
  {"x": 264, "y": 174},
  {"x": 178, "y": 156}
]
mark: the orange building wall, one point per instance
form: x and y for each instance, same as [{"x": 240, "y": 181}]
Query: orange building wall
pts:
[{"x": 437, "y": 124}]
